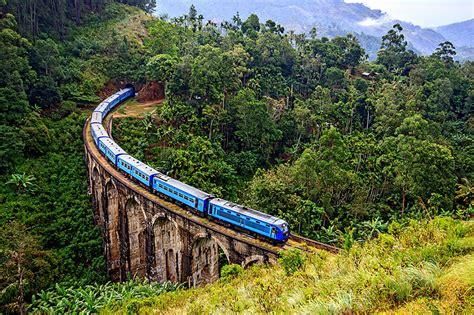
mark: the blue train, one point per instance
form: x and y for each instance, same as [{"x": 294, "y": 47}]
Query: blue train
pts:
[{"x": 205, "y": 204}]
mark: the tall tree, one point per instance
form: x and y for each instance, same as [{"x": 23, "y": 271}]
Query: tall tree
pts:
[
  {"x": 393, "y": 53},
  {"x": 20, "y": 266}
]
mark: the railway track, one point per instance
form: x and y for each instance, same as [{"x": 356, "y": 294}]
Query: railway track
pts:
[
  {"x": 249, "y": 240},
  {"x": 303, "y": 243},
  {"x": 295, "y": 241}
]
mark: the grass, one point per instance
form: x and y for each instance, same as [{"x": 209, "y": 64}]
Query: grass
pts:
[{"x": 418, "y": 268}]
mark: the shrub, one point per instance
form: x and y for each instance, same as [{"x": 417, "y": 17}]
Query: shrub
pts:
[
  {"x": 292, "y": 260},
  {"x": 230, "y": 272}
]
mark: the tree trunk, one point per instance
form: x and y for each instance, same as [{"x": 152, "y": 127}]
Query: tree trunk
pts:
[
  {"x": 403, "y": 201},
  {"x": 21, "y": 293}
]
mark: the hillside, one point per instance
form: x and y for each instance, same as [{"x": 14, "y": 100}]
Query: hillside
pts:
[
  {"x": 460, "y": 34},
  {"x": 374, "y": 157},
  {"x": 330, "y": 17},
  {"x": 420, "y": 268}
]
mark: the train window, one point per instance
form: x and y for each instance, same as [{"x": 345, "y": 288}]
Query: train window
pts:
[
  {"x": 161, "y": 186},
  {"x": 147, "y": 178},
  {"x": 181, "y": 195}
]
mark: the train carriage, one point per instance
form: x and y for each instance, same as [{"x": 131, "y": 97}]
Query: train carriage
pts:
[
  {"x": 181, "y": 192},
  {"x": 102, "y": 108},
  {"x": 96, "y": 118},
  {"x": 144, "y": 174},
  {"x": 234, "y": 214},
  {"x": 249, "y": 219},
  {"x": 111, "y": 149},
  {"x": 127, "y": 163},
  {"x": 119, "y": 97},
  {"x": 98, "y": 132}
]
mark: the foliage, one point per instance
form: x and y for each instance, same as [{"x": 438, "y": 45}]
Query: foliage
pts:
[
  {"x": 419, "y": 267},
  {"x": 230, "y": 272},
  {"x": 90, "y": 299},
  {"x": 304, "y": 128},
  {"x": 23, "y": 266},
  {"x": 291, "y": 260},
  {"x": 21, "y": 181}
]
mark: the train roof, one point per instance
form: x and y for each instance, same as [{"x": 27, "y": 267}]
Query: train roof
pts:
[
  {"x": 113, "y": 146},
  {"x": 147, "y": 170},
  {"x": 99, "y": 130},
  {"x": 96, "y": 118},
  {"x": 184, "y": 187},
  {"x": 102, "y": 106},
  {"x": 130, "y": 160},
  {"x": 248, "y": 211}
]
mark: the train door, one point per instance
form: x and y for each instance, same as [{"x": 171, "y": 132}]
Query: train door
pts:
[{"x": 273, "y": 232}]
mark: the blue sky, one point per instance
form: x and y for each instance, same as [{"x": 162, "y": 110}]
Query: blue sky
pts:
[{"x": 425, "y": 12}]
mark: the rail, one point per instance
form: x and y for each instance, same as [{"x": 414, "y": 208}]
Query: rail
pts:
[
  {"x": 314, "y": 244},
  {"x": 164, "y": 204},
  {"x": 298, "y": 241}
]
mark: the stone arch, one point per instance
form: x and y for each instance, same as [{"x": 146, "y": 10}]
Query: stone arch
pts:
[
  {"x": 168, "y": 250},
  {"x": 136, "y": 224},
  {"x": 252, "y": 260},
  {"x": 112, "y": 224},
  {"x": 205, "y": 259}
]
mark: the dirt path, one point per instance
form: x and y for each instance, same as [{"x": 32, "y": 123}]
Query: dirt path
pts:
[{"x": 133, "y": 108}]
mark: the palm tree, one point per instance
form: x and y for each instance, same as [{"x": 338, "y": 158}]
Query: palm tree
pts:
[
  {"x": 465, "y": 192},
  {"x": 21, "y": 181}
]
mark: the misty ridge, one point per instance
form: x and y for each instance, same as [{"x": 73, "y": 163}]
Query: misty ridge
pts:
[{"x": 331, "y": 18}]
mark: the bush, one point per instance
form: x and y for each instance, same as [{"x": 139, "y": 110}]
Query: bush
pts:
[
  {"x": 292, "y": 260},
  {"x": 230, "y": 272}
]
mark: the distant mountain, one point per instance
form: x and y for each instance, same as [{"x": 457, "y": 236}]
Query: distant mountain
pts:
[
  {"x": 330, "y": 17},
  {"x": 460, "y": 34}
]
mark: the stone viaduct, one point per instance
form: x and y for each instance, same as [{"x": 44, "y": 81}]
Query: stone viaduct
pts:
[{"x": 148, "y": 237}]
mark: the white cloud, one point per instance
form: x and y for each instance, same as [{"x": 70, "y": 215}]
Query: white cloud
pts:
[
  {"x": 370, "y": 22},
  {"x": 424, "y": 12}
]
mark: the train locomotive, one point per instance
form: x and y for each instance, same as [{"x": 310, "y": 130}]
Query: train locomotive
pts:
[{"x": 204, "y": 204}]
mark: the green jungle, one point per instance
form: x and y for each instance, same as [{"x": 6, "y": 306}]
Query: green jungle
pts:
[{"x": 374, "y": 157}]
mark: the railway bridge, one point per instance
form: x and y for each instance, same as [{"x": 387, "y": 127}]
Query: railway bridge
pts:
[{"x": 148, "y": 237}]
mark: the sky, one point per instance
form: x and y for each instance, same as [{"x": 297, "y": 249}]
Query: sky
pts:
[{"x": 426, "y": 13}]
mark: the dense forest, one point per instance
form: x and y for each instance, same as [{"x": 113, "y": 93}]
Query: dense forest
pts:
[{"x": 296, "y": 125}]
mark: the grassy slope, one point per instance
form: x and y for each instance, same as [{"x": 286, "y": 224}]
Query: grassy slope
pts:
[
  {"x": 95, "y": 46},
  {"x": 420, "y": 268}
]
